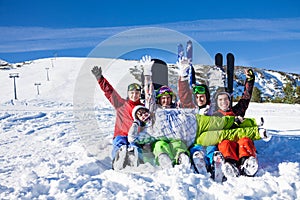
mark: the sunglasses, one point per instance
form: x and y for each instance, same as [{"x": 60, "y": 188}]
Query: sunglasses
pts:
[
  {"x": 134, "y": 86},
  {"x": 198, "y": 89}
]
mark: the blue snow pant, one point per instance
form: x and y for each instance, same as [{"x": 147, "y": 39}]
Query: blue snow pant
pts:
[
  {"x": 209, "y": 153},
  {"x": 119, "y": 141}
]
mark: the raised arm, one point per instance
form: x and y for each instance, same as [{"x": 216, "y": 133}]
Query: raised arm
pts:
[
  {"x": 184, "y": 92},
  {"x": 148, "y": 88},
  {"x": 240, "y": 108},
  {"x": 110, "y": 93}
]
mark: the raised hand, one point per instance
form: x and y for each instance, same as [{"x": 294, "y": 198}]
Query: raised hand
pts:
[
  {"x": 97, "y": 71},
  {"x": 249, "y": 74},
  {"x": 147, "y": 63},
  {"x": 183, "y": 66}
]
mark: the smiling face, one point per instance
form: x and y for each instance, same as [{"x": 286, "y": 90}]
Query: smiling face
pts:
[
  {"x": 134, "y": 95},
  {"x": 165, "y": 101},
  {"x": 201, "y": 95},
  {"x": 223, "y": 102},
  {"x": 142, "y": 114}
]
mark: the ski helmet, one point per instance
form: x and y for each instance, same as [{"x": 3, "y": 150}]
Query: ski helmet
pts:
[
  {"x": 134, "y": 86},
  {"x": 164, "y": 90}
]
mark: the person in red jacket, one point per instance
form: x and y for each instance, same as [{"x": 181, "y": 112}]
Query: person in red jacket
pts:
[
  {"x": 240, "y": 156},
  {"x": 124, "y": 119}
]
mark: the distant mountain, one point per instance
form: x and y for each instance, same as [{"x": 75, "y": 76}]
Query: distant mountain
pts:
[
  {"x": 269, "y": 82},
  {"x": 4, "y": 64}
]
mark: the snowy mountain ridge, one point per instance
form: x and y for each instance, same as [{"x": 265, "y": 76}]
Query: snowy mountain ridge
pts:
[{"x": 269, "y": 82}]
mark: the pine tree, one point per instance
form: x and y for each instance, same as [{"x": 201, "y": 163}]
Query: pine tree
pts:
[
  {"x": 256, "y": 95},
  {"x": 298, "y": 91},
  {"x": 289, "y": 92},
  {"x": 298, "y": 95}
]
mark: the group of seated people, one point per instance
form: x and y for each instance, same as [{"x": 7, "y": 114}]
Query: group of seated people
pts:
[{"x": 189, "y": 132}]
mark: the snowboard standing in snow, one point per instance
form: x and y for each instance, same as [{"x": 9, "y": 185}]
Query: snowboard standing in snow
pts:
[
  {"x": 159, "y": 76},
  {"x": 159, "y": 73}
]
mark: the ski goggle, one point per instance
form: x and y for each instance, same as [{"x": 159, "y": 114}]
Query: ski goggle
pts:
[
  {"x": 134, "y": 86},
  {"x": 164, "y": 90},
  {"x": 199, "y": 89}
]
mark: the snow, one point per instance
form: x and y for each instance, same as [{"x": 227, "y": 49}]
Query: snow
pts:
[{"x": 53, "y": 148}]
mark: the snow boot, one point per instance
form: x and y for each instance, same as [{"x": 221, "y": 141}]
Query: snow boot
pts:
[
  {"x": 119, "y": 160},
  {"x": 164, "y": 161},
  {"x": 132, "y": 157},
  {"x": 264, "y": 134},
  {"x": 199, "y": 162},
  {"x": 262, "y": 121},
  {"x": 230, "y": 169},
  {"x": 249, "y": 166},
  {"x": 184, "y": 160},
  {"x": 218, "y": 162}
]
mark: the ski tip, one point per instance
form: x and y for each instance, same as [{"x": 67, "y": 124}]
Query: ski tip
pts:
[
  {"x": 219, "y": 59},
  {"x": 218, "y": 54},
  {"x": 230, "y": 55}
]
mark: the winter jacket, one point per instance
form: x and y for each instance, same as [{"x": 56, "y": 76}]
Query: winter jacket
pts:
[
  {"x": 179, "y": 124},
  {"x": 212, "y": 130},
  {"x": 122, "y": 106}
]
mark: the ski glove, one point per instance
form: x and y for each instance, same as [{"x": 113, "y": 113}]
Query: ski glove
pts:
[
  {"x": 237, "y": 121},
  {"x": 204, "y": 111},
  {"x": 147, "y": 63},
  {"x": 250, "y": 75},
  {"x": 97, "y": 71},
  {"x": 132, "y": 133},
  {"x": 183, "y": 66}
]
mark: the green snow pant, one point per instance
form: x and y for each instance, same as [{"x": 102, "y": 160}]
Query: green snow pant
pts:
[{"x": 171, "y": 147}]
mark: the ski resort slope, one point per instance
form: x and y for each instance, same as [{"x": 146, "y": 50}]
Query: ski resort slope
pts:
[{"x": 52, "y": 148}]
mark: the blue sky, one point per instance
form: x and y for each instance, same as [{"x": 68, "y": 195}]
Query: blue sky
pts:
[{"x": 263, "y": 34}]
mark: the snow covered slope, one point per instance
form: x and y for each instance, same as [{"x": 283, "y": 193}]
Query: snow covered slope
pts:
[{"x": 52, "y": 148}]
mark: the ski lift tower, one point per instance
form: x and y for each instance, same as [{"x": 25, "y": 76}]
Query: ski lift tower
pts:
[
  {"x": 47, "y": 69},
  {"x": 14, "y": 76},
  {"x": 37, "y": 87}
]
